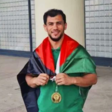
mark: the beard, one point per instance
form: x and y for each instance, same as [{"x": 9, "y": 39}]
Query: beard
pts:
[{"x": 56, "y": 39}]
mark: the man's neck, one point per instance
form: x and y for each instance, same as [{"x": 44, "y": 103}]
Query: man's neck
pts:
[{"x": 56, "y": 44}]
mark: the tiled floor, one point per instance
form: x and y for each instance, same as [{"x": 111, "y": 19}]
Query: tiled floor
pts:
[{"x": 99, "y": 99}]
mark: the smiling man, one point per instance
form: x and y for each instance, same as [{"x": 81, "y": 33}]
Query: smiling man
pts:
[
  {"x": 60, "y": 72},
  {"x": 55, "y": 27}
]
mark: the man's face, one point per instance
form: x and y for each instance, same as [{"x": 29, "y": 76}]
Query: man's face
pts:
[{"x": 55, "y": 27}]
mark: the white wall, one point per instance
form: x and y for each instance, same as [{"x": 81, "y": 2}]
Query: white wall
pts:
[{"x": 74, "y": 10}]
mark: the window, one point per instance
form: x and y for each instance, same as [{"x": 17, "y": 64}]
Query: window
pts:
[{"x": 98, "y": 24}]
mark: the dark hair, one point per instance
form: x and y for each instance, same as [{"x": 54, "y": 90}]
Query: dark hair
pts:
[{"x": 53, "y": 13}]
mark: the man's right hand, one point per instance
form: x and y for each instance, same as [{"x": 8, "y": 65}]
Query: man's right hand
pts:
[{"x": 41, "y": 80}]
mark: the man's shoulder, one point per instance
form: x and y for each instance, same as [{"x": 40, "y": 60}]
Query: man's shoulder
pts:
[
  {"x": 42, "y": 44},
  {"x": 70, "y": 39}
]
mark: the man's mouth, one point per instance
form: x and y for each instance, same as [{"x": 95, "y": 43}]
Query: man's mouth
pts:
[{"x": 55, "y": 33}]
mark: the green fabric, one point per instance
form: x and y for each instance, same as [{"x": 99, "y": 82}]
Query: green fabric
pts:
[
  {"x": 73, "y": 97},
  {"x": 79, "y": 62},
  {"x": 55, "y": 54}
]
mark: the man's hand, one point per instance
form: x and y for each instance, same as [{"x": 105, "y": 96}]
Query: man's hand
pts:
[
  {"x": 63, "y": 79},
  {"x": 41, "y": 80},
  {"x": 85, "y": 81}
]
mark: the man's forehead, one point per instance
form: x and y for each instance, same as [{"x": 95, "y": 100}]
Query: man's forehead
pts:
[{"x": 55, "y": 18}]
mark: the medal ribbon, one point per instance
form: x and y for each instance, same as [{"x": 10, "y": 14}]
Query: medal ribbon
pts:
[
  {"x": 57, "y": 70},
  {"x": 56, "y": 97}
]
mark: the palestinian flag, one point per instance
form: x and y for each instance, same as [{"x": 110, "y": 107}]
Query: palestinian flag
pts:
[{"x": 73, "y": 59}]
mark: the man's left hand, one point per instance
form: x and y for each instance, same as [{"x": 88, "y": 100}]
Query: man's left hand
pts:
[{"x": 63, "y": 79}]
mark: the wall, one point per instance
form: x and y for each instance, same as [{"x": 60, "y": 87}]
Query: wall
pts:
[{"x": 74, "y": 10}]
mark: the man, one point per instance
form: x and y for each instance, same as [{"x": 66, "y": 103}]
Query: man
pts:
[{"x": 60, "y": 72}]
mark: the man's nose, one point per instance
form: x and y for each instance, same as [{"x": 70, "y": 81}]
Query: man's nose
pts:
[{"x": 55, "y": 26}]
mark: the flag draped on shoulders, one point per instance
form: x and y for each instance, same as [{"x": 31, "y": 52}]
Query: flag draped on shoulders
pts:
[{"x": 73, "y": 59}]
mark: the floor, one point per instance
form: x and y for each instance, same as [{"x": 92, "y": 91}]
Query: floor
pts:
[{"x": 99, "y": 99}]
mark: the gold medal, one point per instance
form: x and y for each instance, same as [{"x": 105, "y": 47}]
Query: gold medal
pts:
[{"x": 56, "y": 97}]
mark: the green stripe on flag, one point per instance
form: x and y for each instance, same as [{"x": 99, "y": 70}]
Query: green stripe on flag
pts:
[{"x": 78, "y": 62}]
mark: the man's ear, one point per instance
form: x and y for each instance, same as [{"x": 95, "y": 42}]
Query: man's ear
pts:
[
  {"x": 65, "y": 26},
  {"x": 45, "y": 28}
]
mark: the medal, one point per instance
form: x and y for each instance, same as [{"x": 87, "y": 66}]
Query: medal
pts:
[{"x": 56, "y": 97}]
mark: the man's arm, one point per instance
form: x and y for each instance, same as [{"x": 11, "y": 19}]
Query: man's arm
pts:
[
  {"x": 40, "y": 80},
  {"x": 85, "y": 81}
]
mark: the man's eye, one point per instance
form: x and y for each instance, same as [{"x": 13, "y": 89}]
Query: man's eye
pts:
[
  {"x": 50, "y": 24},
  {"x": 59, "y": 23}
]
